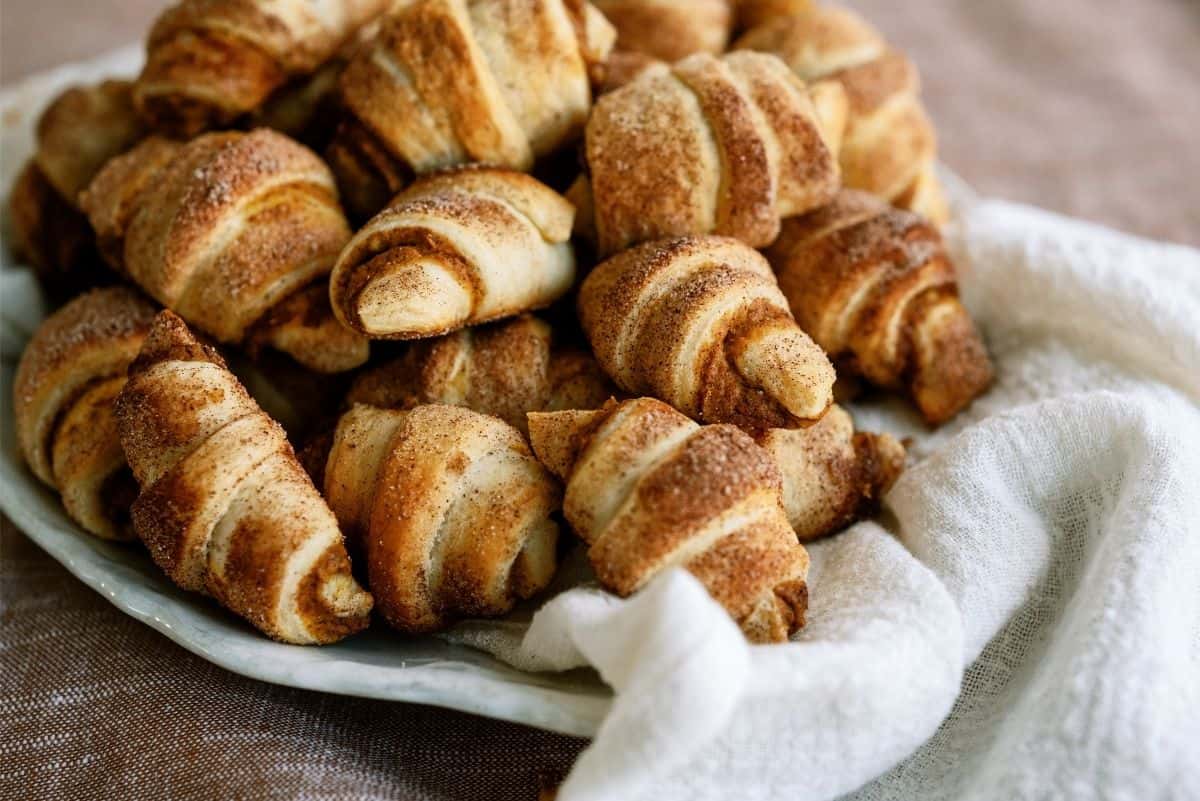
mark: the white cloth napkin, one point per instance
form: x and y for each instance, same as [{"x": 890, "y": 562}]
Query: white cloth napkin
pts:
[{"x": 1024, "y": 623}]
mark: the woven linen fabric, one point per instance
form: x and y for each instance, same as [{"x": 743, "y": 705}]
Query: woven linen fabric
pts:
[{"x": 1063, "y": 104}]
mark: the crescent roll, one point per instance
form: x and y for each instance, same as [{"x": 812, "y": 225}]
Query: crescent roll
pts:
[
  {"x": 505, "y": 369},
  {"x": 708, "y": 146},
  {"x": 457, "y": 248},
  {"x": 81, "y": 129},
  {"x": 450, "y": 82},
  {"x": 451, "y": 508},
  {"x": 648, "y": 490},
  {"x": 874, "y": 286},
  {"x": 832, "y": 475},
  {"x": 889, "y": 147},
  {"x": 225, "y": 508},
  {"x": 700, "y": 323},
  {"x": 236, "y": 233},
  {"x": 63, "y": 393},
  {"x": 669, "y": 29},
  {"x": 208, "y": 62}
]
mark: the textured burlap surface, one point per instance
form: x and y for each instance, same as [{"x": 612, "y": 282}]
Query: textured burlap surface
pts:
[{"x": 1085, "y": 110}]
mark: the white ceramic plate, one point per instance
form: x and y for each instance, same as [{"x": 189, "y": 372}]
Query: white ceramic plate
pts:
[{"x": 375, "y": 664}]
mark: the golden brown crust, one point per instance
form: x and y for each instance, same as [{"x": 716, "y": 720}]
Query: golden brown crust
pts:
[
  {"x": 208, "y": 62},
  {"x": 457, "y": 102},
  {"x": 874, "y": 287},
  {"x": 832, "y": 476},
  {"x": 751, "y": 13},
  {"x": 226, "y": 229},
  {"x": 81, "y": 130},
  {"x": 450, "y": 507},
  {"x": 700, "y": 323},
  {"x": 62, "y": 399},
  {"x": 53, "y": 237},
  {"x": 669, "y": 29},
  {"x": 889, "y": 146},
  {"x": 648, "y": 489},
  {"x": 725, "y": 146},
  {"x": 308, "y": 107},
  {"x": 457, "y": 248},
  {"x": 622, "y": 68},
  {"x": 505, "y": 369},
  {"x": 225, "y": 508}
]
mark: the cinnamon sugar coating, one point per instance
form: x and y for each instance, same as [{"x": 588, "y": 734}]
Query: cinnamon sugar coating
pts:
[
  {"x": 209, "y": 62},
  {"x": 226, "y": 230},
  {"x": 874, "y": 286},
  {"x": 725, "y": 146},
  {"x": 225, "y": 507},
  {"x": 457, "y": 248},
  {"x": 648, "y": 490},
  {"x": 700, "y": 323},
  {"x": 832, "y": 475},
  {"x": 448, "y": 82},
  {"x": 65, "y": 383},
  {"x": 450, "y": 508},
  {"x": 505, "y": 369},
  {"x": 889, "y": 147},
  {"x": 81, "y": 129}
]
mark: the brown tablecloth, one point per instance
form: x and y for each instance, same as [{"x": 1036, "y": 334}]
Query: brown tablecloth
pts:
[{"x": 1084, "y": 109}]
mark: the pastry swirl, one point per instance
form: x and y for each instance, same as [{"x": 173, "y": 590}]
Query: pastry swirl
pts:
[
  {"x": 450, "y": 509},
  {"x": 63, "y": 393},
  {"x": 707, "y": 146},
  {"x": 874, "y": 286},
  {"x": 649, "y": 490},
  {"x": 700, "y": 323},
  {"x": 457, "y": 248},
  {"x": 235, "y": 232},
  {"x": 225, "y": 508}
]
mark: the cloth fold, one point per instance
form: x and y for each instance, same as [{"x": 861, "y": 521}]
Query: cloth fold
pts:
[{"x": 1027, "y": 625}]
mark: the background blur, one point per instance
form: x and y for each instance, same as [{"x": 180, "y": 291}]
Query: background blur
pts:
[{"x": 1088, "y": 109}]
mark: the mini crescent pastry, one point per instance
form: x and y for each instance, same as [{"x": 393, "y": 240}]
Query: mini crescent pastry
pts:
[
  {"x": 225, "y": 508},
  {"x": 875, "y": 288},
  {"x": 208, "y": 62},
  {"x": 235, "y": 232},
  {"x": 669, "y": 29},
  {"x": 450, "y": 507},
  {"x": 832, "y": 475},
  {"x": 81, "y": 129},
  {"x": 708, "y": 146},
  {"x": 649, "y": 490},
  {"x": 505, "y": 369},
  {"x": 889, "y": 147},
  {"x": 449, "y": 82},
  {"x": 700, "y": 323},
  {"x": 63, "y": 394},
  {"x": 457, "y": 248}
]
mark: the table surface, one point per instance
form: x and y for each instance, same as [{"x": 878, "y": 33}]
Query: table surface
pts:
[{"x": 1054, "y": 104}]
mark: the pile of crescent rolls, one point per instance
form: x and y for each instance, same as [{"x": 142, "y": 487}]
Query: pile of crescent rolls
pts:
[{"x": 364, "y": 301}]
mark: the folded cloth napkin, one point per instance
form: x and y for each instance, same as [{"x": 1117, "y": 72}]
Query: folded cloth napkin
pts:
[{"x": 1025, "y": 620}]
